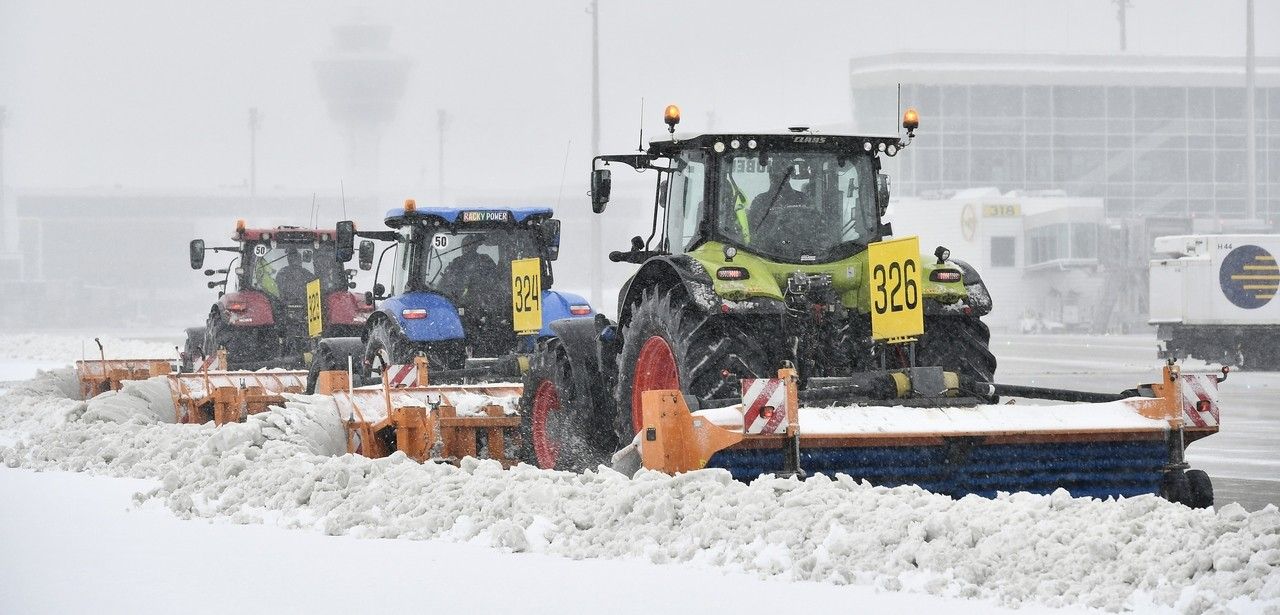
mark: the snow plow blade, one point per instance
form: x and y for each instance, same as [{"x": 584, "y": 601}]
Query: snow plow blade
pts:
[
  {"x": 1128, "y": 447},
  {"x": 101, "y": 375},
  {"x": 230, "y": 396},
  {"x": 437, "y": 423}
]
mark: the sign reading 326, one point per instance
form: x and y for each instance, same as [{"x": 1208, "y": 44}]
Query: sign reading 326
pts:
[{"x": 893, "y": 274}]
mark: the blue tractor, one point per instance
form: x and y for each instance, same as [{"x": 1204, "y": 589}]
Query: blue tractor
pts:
[{"x": 469, "y": 288}]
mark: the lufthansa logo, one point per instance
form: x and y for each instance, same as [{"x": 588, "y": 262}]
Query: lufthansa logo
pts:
[{"x": 1249, "y": 277}]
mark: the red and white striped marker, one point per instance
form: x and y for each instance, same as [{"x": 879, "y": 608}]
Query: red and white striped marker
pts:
[
  {"x": 764, "y": 403},
  {"x": 207, "y": 364},
  {"x": 401, "y": 376},
  {"x": 1200, "y": 399}
]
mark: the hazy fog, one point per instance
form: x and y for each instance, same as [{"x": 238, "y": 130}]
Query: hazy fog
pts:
[{"x": 153, "y": 97}]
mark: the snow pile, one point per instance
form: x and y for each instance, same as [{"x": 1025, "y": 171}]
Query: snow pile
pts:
[
  {"x": 38, "y": 404},
  {"x": 309, "y": 422},
  {"x": 285, "y": 467},
  {"x": 148, "y": 401}
]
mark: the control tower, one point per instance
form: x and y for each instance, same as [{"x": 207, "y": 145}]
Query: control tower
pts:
[{"x": 362, "y": 80}]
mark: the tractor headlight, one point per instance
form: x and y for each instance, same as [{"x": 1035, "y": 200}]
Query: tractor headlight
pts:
[
  {"x": 732, "y": 273},
  {"x": 945, "y": 275}
]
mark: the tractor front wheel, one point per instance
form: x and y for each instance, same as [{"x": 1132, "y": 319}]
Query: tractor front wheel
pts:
[
  {"x": 958, "y": 344},
  {"x": 558, "y": 429},
  {"x": 671, "y": 344}
]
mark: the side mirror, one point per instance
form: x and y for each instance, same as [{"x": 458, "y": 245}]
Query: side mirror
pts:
[
  {"x": 550, "y": 230},
  {"x": 366, "y": 255},
  {"x": 346, "y": 241},
  {"x": 379, "y": 291},
  {"x": 197, "y": 253},
  {"x": 601, "y": 184},
  {"x": 882, "y": 192}
]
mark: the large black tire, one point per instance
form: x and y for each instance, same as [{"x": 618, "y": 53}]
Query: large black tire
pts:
[
  {"x": 1199, "y": 489},
  {"x": 958, "y": 344},
  {"x": 387, "y": 335},
  {"x": 702, "y": 355},
  {"x": 243, "y": 344},
  {"x": 1175, "y": 487},
  {"x": 193, "y": 349},
  {"x": 332, "y": 355},
  {"x": 558, "y": 428}
]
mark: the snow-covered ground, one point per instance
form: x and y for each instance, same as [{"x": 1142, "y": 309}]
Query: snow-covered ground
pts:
[{"x": 553, "y": 541}]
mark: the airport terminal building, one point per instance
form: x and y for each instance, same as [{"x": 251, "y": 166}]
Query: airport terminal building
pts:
[{"x": 1158, "y": 141}]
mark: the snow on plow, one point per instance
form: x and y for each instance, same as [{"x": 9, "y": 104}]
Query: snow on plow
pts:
[
  {"x": 1128, "y": 445},
  {"x": 102, "y": 374},
  {"x": 230, "y": 396},
  {"x": 438, "y": 423}
]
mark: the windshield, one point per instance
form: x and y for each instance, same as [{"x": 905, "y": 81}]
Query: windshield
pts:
[
  {"x": 797, "y": 206},
  {"x": 459, "y": 262},
  {"x": 283, "y": 271}
]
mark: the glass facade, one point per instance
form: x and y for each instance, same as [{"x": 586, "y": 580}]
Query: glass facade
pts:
[{"x": 1146, "y": 150}]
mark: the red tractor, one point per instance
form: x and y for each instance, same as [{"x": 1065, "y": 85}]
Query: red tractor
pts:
[{"x": 284, "y": 290}]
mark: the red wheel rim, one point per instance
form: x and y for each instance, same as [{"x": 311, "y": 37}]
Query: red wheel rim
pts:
[
  {"x": 655, "y": 370},
  {"x": 545, "y": 401}
]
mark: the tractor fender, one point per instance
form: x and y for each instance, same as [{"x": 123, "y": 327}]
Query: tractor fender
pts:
[
  {"x": 345, "y": 308},
  {"x": 580, "y": 339},
  {"x": 979, "y": 299},
  {"x": 556, "y": 305},
  {"x": 679, "y": 270},
  {"x": 441, "y": 323},
  {"x": 256, "y": 313}
]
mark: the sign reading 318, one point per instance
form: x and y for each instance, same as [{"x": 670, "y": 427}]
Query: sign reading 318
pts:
[
  {"x": 526, "y": 295},
  {"x": 893, "y": 273}
]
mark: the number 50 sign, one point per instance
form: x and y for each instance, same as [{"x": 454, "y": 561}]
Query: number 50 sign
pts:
[{"x": 893, "y": 268}]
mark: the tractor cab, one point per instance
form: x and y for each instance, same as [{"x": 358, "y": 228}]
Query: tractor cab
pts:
[
  {"x": 793, "y": 197},
  {"x": 463, "y": 283}
]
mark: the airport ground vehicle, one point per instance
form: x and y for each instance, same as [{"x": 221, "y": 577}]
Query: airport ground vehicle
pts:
[
  {"x": 283, "y": 289},
  {"x": 470, "y": 290},
  {"x": 769, "y": 257},
  {"x": 1213, "y": 298}
]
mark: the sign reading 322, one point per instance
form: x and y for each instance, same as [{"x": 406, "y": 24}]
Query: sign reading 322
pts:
[{"x": 893, "y": 273}]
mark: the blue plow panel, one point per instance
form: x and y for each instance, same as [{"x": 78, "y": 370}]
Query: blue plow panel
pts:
[{"x": 1094, "y": 469}]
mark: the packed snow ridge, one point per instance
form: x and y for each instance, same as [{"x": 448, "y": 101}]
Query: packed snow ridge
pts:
[{"x": 288, "y": 467}]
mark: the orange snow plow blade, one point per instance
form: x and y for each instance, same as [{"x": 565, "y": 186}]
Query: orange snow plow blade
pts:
[
  {"x": 423, "y": 421},
  {"x": 1123, "y": 447},
  {"x": 230, "y": 396},
  {"x": 102, "y": 375}
]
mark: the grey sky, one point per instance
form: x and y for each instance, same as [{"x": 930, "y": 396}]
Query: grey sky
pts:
[{"x": 154, "y": 95}]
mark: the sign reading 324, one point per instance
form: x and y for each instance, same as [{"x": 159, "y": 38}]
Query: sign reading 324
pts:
[
  {"x": 526, "y": 295},
  {"x": 893, "y": 271}
]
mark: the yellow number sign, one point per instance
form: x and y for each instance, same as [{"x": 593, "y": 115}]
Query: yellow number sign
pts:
[
  {"x": 897, "y": 313},
  {"x": 315, "y": 313},
  {"x": 526, "y": 295}
]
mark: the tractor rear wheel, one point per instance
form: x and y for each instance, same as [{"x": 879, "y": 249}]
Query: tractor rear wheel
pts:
[
  {"x": 958, "y": 344},
  {"x": 242, "y": 344},
  {"x": 558, "y": 429},
  {"x": 671, "y": 344}
]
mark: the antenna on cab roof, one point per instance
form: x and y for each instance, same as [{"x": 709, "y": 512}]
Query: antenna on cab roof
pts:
[{"x": 641, "y": 148}]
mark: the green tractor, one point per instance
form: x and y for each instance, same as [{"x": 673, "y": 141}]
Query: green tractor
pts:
[{"x": 757, "y": 259}]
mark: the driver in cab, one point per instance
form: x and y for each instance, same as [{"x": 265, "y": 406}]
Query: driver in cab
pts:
[{"x": 782, "y": 196}]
